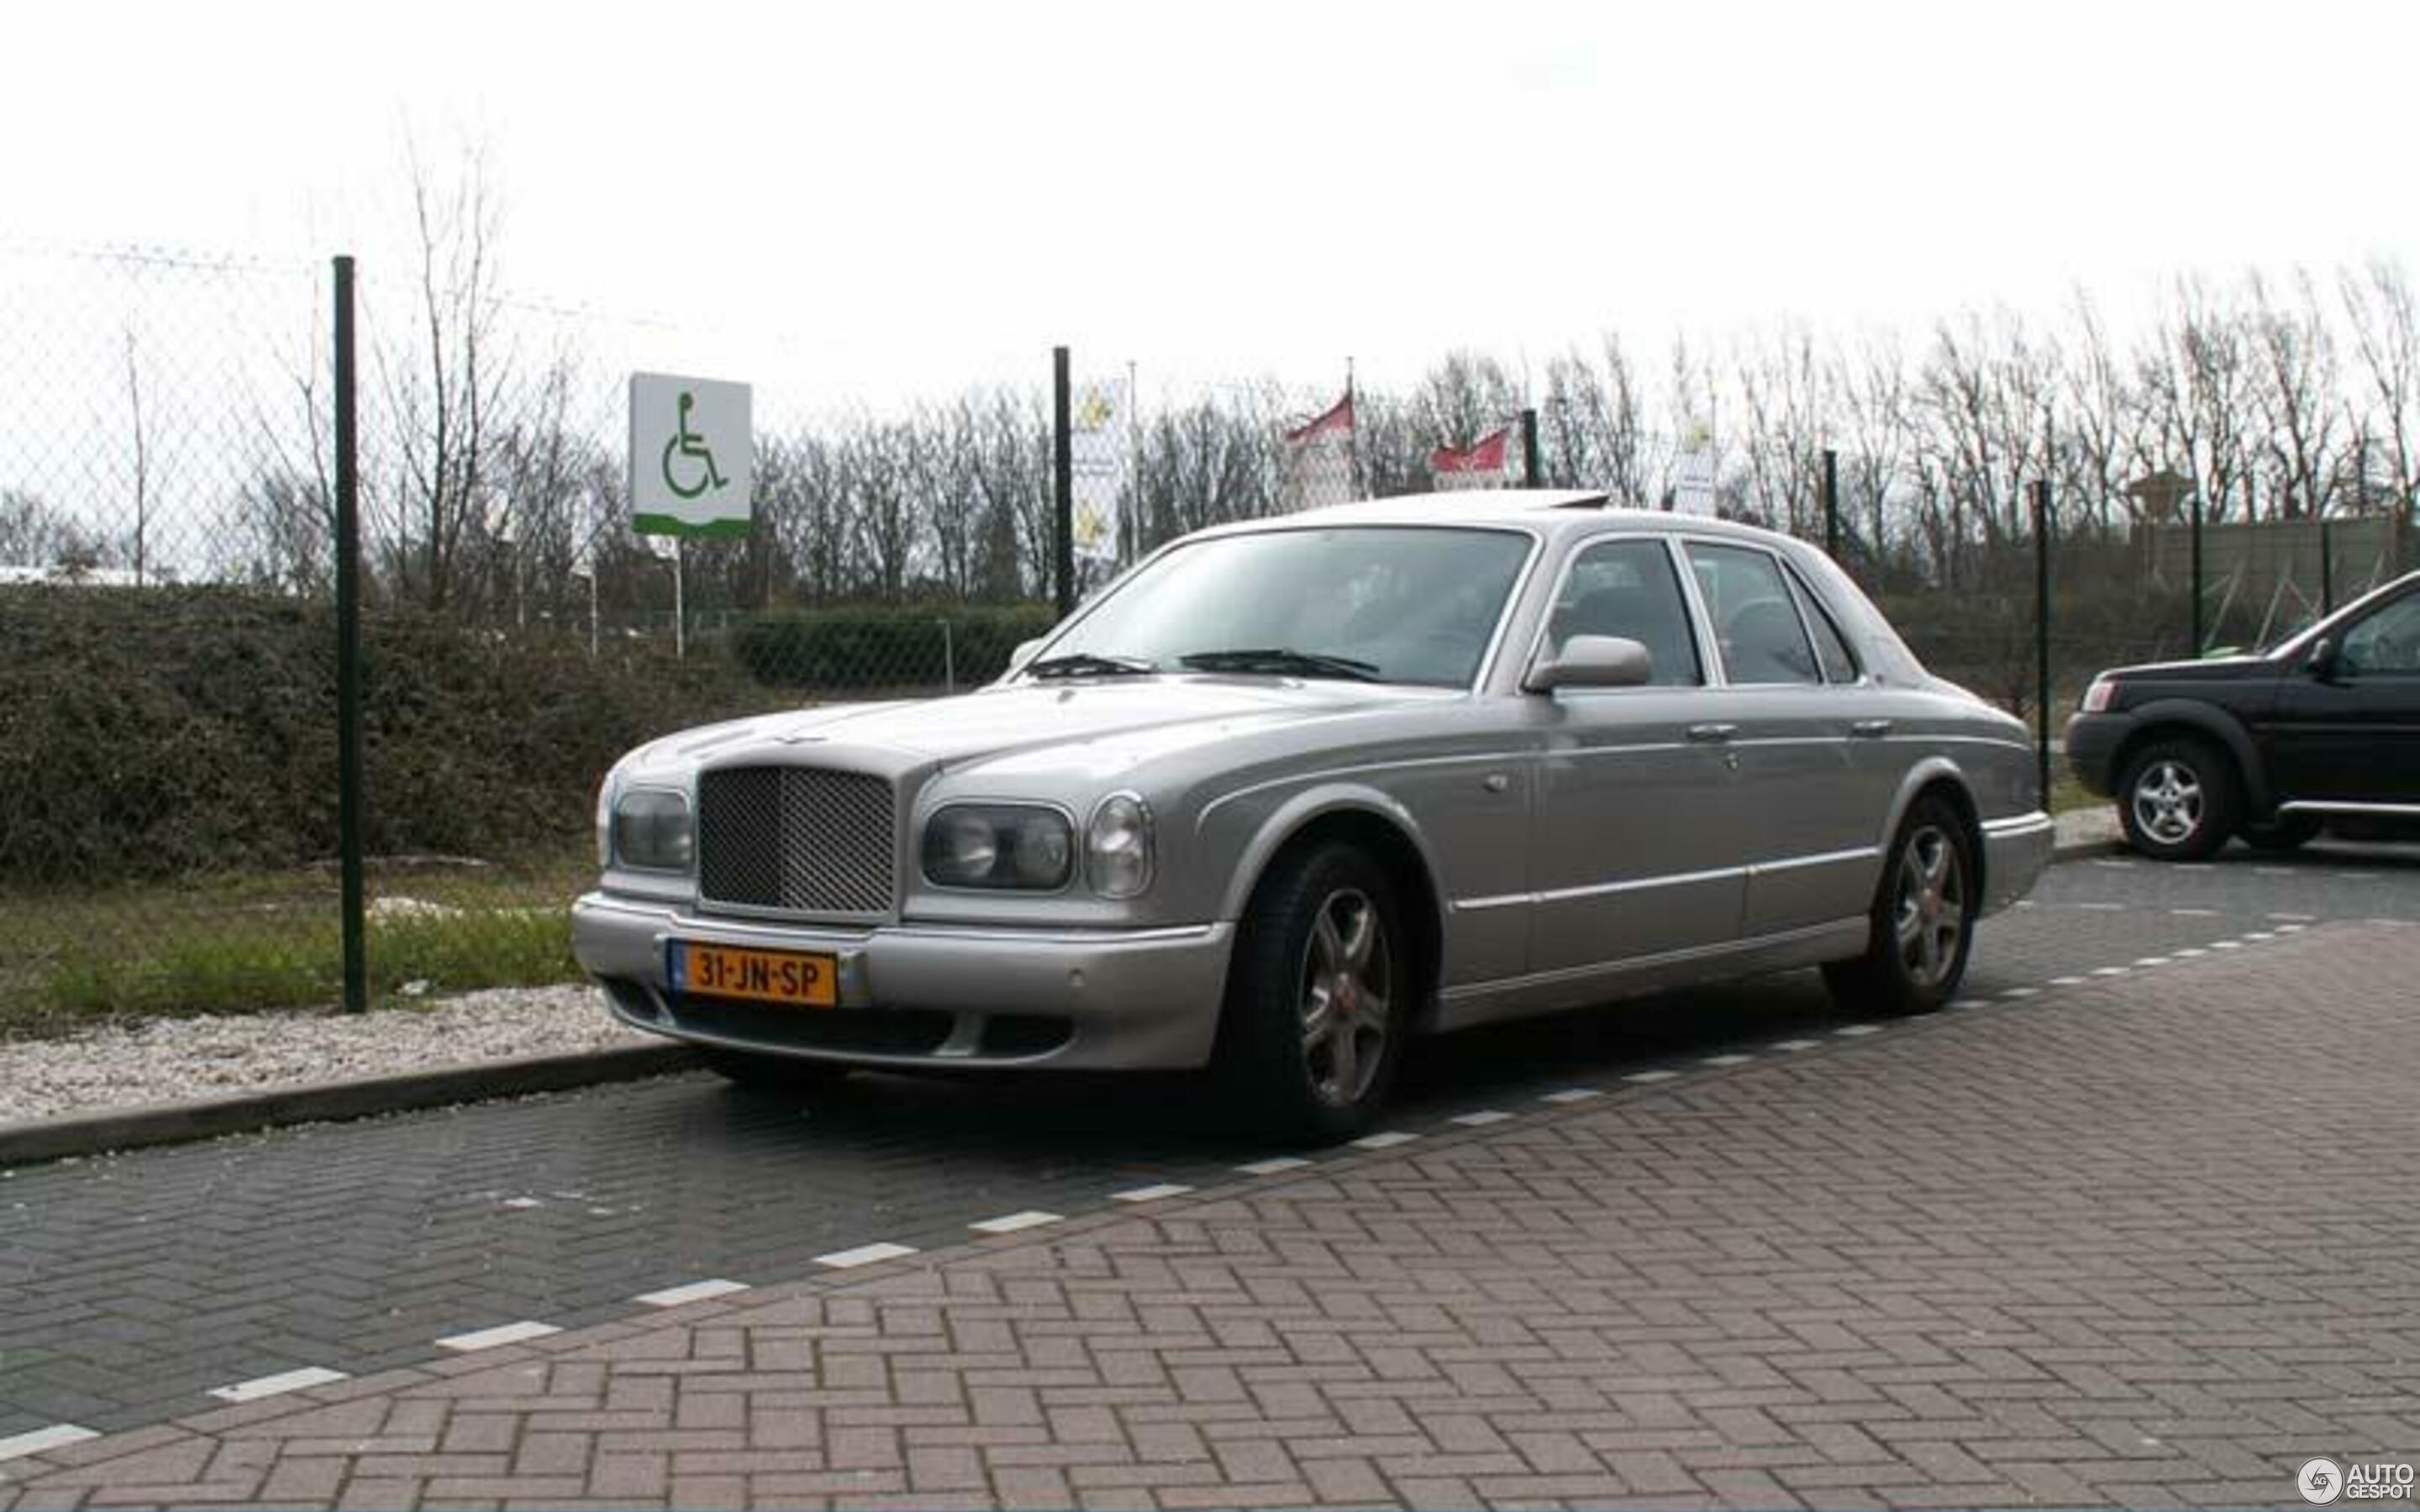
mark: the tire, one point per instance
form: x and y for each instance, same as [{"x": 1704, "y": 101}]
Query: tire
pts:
[
  {"x": 2179, "y": 800},
  {"x": 1318, "y": 997},
  {"x": 769, "y": 1074},
  {"x": 2291, "y": 832},
  {"x": 1922, "y": 921}
]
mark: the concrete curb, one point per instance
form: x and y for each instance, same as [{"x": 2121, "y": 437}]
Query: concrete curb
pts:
[{"x": 170, "y": 1123}]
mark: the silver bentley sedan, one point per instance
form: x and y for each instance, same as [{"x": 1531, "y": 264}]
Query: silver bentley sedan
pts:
[{"x": 1288, "y": 793}]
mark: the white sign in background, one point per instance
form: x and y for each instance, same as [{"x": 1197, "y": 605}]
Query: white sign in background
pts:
[{"x": 692, "y": 456}]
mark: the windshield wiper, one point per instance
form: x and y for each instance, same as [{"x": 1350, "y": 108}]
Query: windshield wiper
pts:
[
  {"x": 1085, "y": 664},
  {"x": 1282, "y": 661}
]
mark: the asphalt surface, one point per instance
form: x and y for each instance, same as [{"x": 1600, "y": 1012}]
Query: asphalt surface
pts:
[{"x": 131, "y": 1286}]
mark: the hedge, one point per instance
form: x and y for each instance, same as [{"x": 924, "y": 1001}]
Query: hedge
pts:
[{"x": 161, "y": 732}]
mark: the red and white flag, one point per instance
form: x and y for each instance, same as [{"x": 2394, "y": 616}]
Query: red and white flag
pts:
[
  {"x": 1479, "y": 465},
  {"x": 1319, "y": 458}
]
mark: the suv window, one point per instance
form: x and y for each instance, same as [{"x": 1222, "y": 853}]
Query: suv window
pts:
[
  {"x": 1628, "y": 588},
  {"x": 2386, "y": 641},
  {"x": 1755, "y": 623}
]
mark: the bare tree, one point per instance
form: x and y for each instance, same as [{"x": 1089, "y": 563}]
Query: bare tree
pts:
[{"x": 444, "y": 387}]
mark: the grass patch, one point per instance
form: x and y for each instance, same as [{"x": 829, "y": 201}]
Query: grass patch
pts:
[{"x": 260, "y": 941}]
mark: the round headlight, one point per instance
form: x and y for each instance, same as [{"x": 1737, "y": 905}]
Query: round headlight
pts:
[
  {"x": 998, "y": 845},
  {"x": 651, "y": 829},
  {"x": 1118, "y": 845}
]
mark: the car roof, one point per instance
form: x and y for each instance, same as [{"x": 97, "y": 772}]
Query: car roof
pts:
[{"x": 1549, "y": 511}]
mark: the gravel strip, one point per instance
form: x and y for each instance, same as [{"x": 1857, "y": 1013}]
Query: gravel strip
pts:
[{"x": 181, "y": 1059}]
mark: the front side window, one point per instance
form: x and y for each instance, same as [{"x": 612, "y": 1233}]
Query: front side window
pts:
[
  {"x": 1755, "y": 623},
  {"x": 1628, "y": 588},
  {"x": 1397, "y": 604},
  {"x": 2386, "y": 641}
]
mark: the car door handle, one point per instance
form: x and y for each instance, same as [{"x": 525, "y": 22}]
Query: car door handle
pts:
[
  {"x": 1870, "y": 729},
  {"x": 1713, "y": 734}
]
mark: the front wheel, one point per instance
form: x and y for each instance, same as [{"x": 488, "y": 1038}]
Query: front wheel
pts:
[
  {"x": 2177, "y": 801},
  {"x": 1319, "y": 997},
  {"x": 1922, "y": 922}
]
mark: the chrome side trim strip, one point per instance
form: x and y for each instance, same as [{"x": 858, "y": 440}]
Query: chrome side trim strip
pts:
[
  {"x": 2392, "y": 811},
  {"x": 2018, "y": 825},
  {"x": 1863, "y": 853}
]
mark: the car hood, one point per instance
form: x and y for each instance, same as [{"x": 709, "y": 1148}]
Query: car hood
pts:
[
  {"x": 1023, "y": 717},
  {"x": 2205, "y": 669}
]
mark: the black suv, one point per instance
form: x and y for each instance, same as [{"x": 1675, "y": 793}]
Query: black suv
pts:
[{"x": 2325, "y": 727}]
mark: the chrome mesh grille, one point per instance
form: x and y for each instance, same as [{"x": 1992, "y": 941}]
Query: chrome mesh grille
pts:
[{"x": 798, "y": 839}]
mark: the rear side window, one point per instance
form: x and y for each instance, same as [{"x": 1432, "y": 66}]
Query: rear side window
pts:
[
  {"x": 1756, "y": 620},
  {"x": 1628, "y": 588},
  {"x": 1831, "y": 647}
]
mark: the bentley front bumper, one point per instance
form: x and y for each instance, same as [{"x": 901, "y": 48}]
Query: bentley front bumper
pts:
[{"x": 928, "y": 996}]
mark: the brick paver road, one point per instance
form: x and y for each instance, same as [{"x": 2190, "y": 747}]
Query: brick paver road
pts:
[{"x": 2149, "y": 1237}]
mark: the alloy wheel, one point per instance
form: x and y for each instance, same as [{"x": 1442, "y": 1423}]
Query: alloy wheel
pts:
[
  {"x": 1929, "y": 916},
  {"x": 1347, "y": 995},
  {"x": 2168, "y": 802}
]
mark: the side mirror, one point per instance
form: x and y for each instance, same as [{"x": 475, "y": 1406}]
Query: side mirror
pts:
[
  {"x": 1024, "y": 652},
  {"x": 1594, "y": 662},
  {"x": 2322, "y": 662}
]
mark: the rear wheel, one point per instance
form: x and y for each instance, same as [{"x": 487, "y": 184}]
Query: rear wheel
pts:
[
  {"x": 2178, "y": 800},
  {"x": 1320, "y": 995},
  {"x": 1923, "y": 921}
]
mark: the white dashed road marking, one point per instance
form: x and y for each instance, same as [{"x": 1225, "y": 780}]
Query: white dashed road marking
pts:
[
  {"x": 1801, "y": 1044},
  {"x": 1645, "y": 1077},
  {"x": 1273, "y": 1165},
  {"x": 1479, "y": 1120},
  {"x": 2067, "y": 981},
  {"x": 489, "y": 1338},
  {"x": 1853, "y": 1030},
  {"x": 694, "y": 1292},
  {"x": 863, "y": 1254},
  {"x": 1727, "y": 1060},
  {"x": 2019, "y": 992},
  {"x": 2154, "y": 961},
  {"x": 57, "y": 1436},
  {"x": 246, "y": 1391},
  {"x": 1150, "y": 1194},
  {"x": 1572, "y": 1094},
  {"x": 1014, "y": 1223},
  {"x": 2194, "y": 913},
  {"x": 1388, "y": 1140}
]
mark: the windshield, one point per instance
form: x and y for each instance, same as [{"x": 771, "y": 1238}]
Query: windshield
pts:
[{"x": 1396, "y": 604}]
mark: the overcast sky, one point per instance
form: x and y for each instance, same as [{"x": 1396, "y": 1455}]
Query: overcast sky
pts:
[{"x": 1236, "y": 188}]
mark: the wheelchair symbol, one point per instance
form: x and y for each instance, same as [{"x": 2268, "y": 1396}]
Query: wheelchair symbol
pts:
[{"x": 692, "y": 447}]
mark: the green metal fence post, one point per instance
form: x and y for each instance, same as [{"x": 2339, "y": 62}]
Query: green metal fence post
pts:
[
  {"x": 2041, "y": 636},
  {"x": 1062, "y": 484},
  {"x": 348, "y": 651}
]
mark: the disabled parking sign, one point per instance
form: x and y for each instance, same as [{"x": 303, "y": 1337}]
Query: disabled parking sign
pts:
[{"x": 691, "y": 455}]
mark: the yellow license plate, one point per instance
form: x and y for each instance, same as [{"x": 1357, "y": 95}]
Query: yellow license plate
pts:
[{"x": 799, "y": 979}]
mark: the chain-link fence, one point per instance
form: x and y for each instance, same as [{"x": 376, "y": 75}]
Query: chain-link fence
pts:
[{"x": 168, "y": 664}]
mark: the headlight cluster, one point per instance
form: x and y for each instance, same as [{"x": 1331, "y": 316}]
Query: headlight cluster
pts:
[
  {"x": 1030, "y": 848},
  {"x": 1000, "y": 845},
  {"x": 2096, "y": 698},
  {"x": 652, "y": 830}
]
